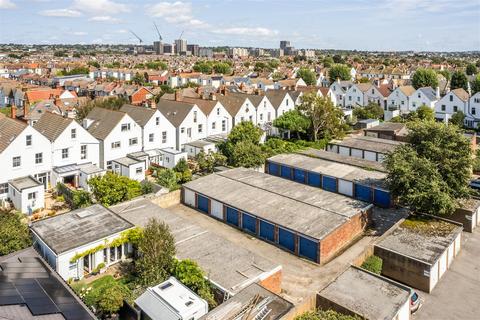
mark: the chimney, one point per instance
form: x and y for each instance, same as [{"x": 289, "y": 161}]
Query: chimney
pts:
[
  {"x": 13, "y": 111},
  {"x": 223, "y": 90},
  {"x": 213, "y": 96},
  {"x": 178, "y": 96},
  {"x": 153, "y": 105},
  {"x": 437, "y": 92}
]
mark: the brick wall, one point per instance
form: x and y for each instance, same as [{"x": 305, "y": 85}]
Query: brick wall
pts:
[{"x": 273, "y": 282}]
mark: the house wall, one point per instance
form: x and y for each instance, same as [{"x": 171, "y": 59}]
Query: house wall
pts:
[
  {"x": 246, "y": 112},
  {"x": 418, "y": 99},
  {"x": 449, "y": 106},
  {"x": 218, "y": 114},
  {"x": 354, "y": 97},
  {"x": 265, "y": 112},
  {"x": 157, "y": 130},
  {"x": 189, "y": 123},
  {"x": 399, "y": 100},
  {"x": 22, "y": 203}
]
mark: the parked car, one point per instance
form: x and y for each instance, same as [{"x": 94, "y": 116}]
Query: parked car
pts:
[
  {"x": 415, "y": 302},
  {"x": 475, "y": 184}
]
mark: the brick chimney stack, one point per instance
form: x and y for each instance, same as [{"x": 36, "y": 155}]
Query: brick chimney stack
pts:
[
  {"x": 178, "y": 95},
  {"x": 13, "y": 111}
]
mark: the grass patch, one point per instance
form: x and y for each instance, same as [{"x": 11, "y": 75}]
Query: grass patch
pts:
[
  {"x": 373, "y": 264},
  {"x": 427, "y": 225}
]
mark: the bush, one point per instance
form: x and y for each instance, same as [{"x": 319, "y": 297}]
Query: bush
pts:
[
  {"x": 147, "y": 187},
  {"x": 14, "y": 233},
  {"x": 325, "y": 315},
  {"x": 167, "y": 178},
  {"x": 373, "y": 264},
  {"x": 80, "y": 199},
  {"x": 112, "y": 188}
]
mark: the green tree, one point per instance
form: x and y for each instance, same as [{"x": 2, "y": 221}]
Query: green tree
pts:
[
  {"x": 245, "y": 131},
  {"x": 476, "y": 84},
  {"x": 246, "y": 154},
  {"x": 294, "y": 121},
  {"x": 112, "y": 103},
  {"x": 339, "y": 71},
  {"x": 458, "y": 119},
  {"x": 326, "y": 118},
  {"x": 222, "y": 68},
  {"x": 370, "y": 111},
  {"x": 156, "y": 250},
  {"x": 424, "y": 78},
  {"x": 471, "y": 69},
  {"x": 425, "y": 113},
  {"x": 459, "y": 80},
  {"x": 328, "y": 62},
  {"x": 167, "y": 178},
  {"x": 277, "y": 76},
  {"x": 274, "y": 63},
  {"x": 111, "y": 299},
  {"x": 112, "y": 188},
  {"x": 93, "y": 64},
  {"x": 207, "y": 162},
  {"x": 325, "y": 315},
  {"x": 14, "y": 233},
  {"x": 307, "y": 75},
  {"x": 191, "y": 275}
]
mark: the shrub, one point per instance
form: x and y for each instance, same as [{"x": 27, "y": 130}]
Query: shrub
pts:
[
  {"x": 167, "y": 178},
  {"x": 147, "y": 187},
  {"x": 325, "y": 315},
  {"x": 373, "y": 264},
  {"x": 80, "y": 199},
  {"x": 14, "y": 233}
]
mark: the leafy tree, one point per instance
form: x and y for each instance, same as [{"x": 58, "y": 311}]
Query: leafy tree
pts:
[
  {"x": 167, "y": 178},
  {"x": 184, "y": 174},
  {"x": 425, "y": 113},
  {"x": 293, "y": 121},
  {"x": 156, "y": 250},
  {"x": 471, "y": 69},
  {"x": 191, "y": 275},
  {"x": 111, "y": 299},
  {"x": 364, "y": 80},
  {"x": 325, "y": 315},
  {"x": 307, "y": 75},
  {"x": 338, "y": 59},
  {"x": 339, "y": 71},
  {"x": 424, "y": 78},
  {"x": 274, "y": 63},
  {"x": 93, "y": 64},
  {"x": 207, "y": 162},
  {"x": 371, "y": 111},
  {"x": 138, "y": 78},
  {"x": 112, "y": 188},
  {"x": 476, "y": 84},
  {"x": 14, "y": 233},
  {"x": 181, "y": 165},
  {"x": 277, "y": 76},
  {"x": 112, "y": 103},
  {"x": 246, "y": 154},
  {"x": 459, "y": 80},
  {"x": 328, "y": 62},
  {"x": 245, "y": 131},
  {"x": 222, "y": 67},
  {"x": 458, "y": 118},
  {"x": 326, "y": 118}
]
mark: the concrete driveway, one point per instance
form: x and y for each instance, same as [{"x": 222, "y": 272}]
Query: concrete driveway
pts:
[{"x": 457, "y": 295}]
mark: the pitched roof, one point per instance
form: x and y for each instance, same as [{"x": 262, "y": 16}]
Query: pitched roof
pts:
[
  {"x": 364, "y": 86},
  {"x": 140, "y": 115},
  {"x": 461, "y": 94},
  {"x": 384, "y": 90},
  {"x": 407, "y": 90},
  {"x": 104, "y": 121},
  {"x": 276, "y": 97},
  {"x": 205, "y": 105},
  {"x": 429, "y": 92},
  {"x": 233, "y": 102},
  {"x": 42, "y": 94},
  {"x": 174, "y": 111},
  {"x": 52, "y": 125},
  {"x": 9, "y": 130}
]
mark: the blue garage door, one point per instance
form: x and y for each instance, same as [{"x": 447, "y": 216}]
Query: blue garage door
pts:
[
  {"x": 299, "y": 175},
  {"x": 273, "y": 168},
  {"x": 286, "y": 172},
  {"x": 314, "y": 179},
  {"x": 267, "y": 231},
  {"x": 382, "y": 198},
  {"x": 203, "y": 203},
  {"x": 329, "y": 184},
  {"x": 363, "y": 192},
  {"x": 286, "y": 239},
  {"x": 232, "y": 216},
  {"x": 249, "y": 223},
  {"x": 308, "y": 249}
]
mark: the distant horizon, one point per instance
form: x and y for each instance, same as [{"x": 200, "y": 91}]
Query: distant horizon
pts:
[{"x": 362, "y": 25}]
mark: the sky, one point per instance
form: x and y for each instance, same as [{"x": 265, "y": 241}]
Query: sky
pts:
[{"x": 386, "y": 25}]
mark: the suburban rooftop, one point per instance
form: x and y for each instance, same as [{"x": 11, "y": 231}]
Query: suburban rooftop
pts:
[
  {"x": 369, "y": 144},
  {"x": 340, "y": 158}
]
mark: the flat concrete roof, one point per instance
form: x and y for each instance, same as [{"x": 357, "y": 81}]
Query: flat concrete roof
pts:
[
  {"x": 24, "y": 183},
  {"x": 369, "y": 144},
  {"x": 127, "y": 161},
  {"x": 226, "y": 264},
  {"x": 199, "y": 143},
  {"x": 368, "y": 295},
  {"x": 425, "y": 241},
  {"x": 308, "y": 210},
  {"x": 79, "y": 227},
  {"x": 90, "y": 168},
  {"x": 340, "y": 158},
  {"x": 333, "y": 169}
]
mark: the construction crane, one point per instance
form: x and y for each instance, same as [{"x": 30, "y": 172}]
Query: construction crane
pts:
[
  {"x": 181, "y": 34},
  {"x": 140, "y": 40},
  {"x": 159, "y": 36}
]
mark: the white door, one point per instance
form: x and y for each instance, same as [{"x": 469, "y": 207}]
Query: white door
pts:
[
  {"x": 216, "y": 209},
  {"x": 189, "y": 197},
  {"x": 345, "y": 187}
]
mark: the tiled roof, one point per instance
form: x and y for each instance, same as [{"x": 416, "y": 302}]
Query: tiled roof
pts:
[
  {"x": 174, "y": 111},
  {"x": 461, "y": 94},
  {"x": 52, "y": 125},
  {"x": 104, "y": 121},
  {"x": 9, "y": 130},
  {"x": 140, "y": 115}
]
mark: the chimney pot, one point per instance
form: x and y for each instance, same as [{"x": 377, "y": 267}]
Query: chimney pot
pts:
[{"x": 13, "y": 111}]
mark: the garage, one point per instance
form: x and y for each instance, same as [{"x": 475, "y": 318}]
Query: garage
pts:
[
  {"x": 273, "y": 168},
  {"x": 308, "y": 248},
  {"x": 344, "y": 151},
  {"x": 299, "y": 175},
  {"x": 329, "y": 183},
  {"x": 357, "y": 153},
  {"x": 382, "y": 198},
  {"x": 249, "y": 223},
  {"x": 364, "y": 147},
  {"x": 216, "y": 209},
  {"x": 286, "y": 239},
  {"x": 232, "y": 216},
  {"x": 189, "y": 197},
  {"x": 363, "y": 193},
  {"x": 314, "y": 179},
  {"x": 345, "y": 187},
  {"x": 369, "y": 155},
  {"x": 286, "y": 172},
  {"x": 202, "y": 203},
  {"x": 267, "y": 231}
]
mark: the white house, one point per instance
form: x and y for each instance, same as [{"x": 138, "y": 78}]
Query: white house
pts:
[
  {"x": 117, "y": 133},
  {"x": 454, "y": 101},
  {"x": 171, "y": 300},
  {"x": 239, "y": 106},
  {"x": 361, "y": 94},
  {"x": 423, "y": 96},
  {"x": 23, "y": 152},
  {"x": 339, "y": 89},
  {"x": 73, "y": 248},
  {"x": 71, "y": 146},
  {"x": 266, "y": 113},
  {"x": 281, "y": 101},
  {"x": 219, "y": 121},
  {"x": 157, "y": 131},
  {"x": 472, "y": 116},
  {"x": 130, "y": 167},
  {"x": 400, "y": 98}
]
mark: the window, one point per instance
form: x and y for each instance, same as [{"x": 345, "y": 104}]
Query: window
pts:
[
  {"x": 443, "y": 107},
  {"x": 451, "y": 97},
  {"x": 133, "y": 141},
  {"x": 16, "y": 162},
  {"x": 182, "y": 130},
  {"x": 200, "y": 128},
  {"x": 189, "y": 132},
  {"x": 109, "y": 165},
  {"x": 224, "y": 125},
  {"x": 32, "y": 196},
  {"x": 83, "y": 152},
  {"x": 250, "y": 118},
  {"x": 195, "y": 116},
  {"x": 349, "y": 98},
  {"x": 261, "y": 116},
  {"x": 38, "y": 158},
  {"x": 3, "y": 188},
  {"x": 403, "y": 102},
  {"x": 116, "y": 145},
  {"x": 126, "y": 127},
  {"x": 373, "y": 91},
  {"x": 213, "y": 125},
  {"x": 151, "y": 137},
  {"x": 287, "y": 103},
  {"x": 164, "y": 136},
  {"x": 157, "y": 121},
  {"x": 455, "y": 108},
  {"x": 28, "y": 140},
  {"x": 218, "y": 111},
  {"x": 72, "y": 265},
  {"x": 138, "y": 170},
  {"x": 419, "y": 96},
  {"x": 73, "y": 133},
  {"x": 242, "y": 119},
  {"x": 474, "y": 111},
  {"x": 269, "y": 116},
  {"x": 265, "y": 104},
  {"x": 65, "y": 153}
]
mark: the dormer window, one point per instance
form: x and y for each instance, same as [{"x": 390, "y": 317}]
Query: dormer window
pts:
[
  {"x": 194, "y": 116},
  {"x": 73, "y": 133}
]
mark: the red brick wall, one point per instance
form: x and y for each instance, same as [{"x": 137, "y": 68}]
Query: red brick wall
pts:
[
  {"x": 273, "y": 282},
  {"x": 342, "y": 236}
]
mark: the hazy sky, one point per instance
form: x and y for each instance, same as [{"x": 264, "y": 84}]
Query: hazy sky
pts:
[{"x": 435, "y": 25}]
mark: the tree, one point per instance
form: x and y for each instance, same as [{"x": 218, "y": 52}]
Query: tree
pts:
[
  {"x": 184, "y": 174},
  {"x": 371, "y": 111},
  {"x": 458, "y": 119},
  {"x": 425, "y": 113},
  {"x": 138, "y": 78},
  {"x": 293, "y": 121},
  {"x": 14, "y": 233},
  {"x": 339, "y": 71},
  {"x": 328, "y": 62},
  {"x": 111, "y": 103},
  {"x": 476, "y": 84},
  {"x": 203, "y": 67},
  {"x": 167, "y": 178},
  {"x": 307, "y": 75},
  {"x": 325, "y": 315},
  {"x": 156, "y": 250},
  {"x": 326, "y": 118},
  {"x": 471, "y": 69},
  {"x": 246, "y": 154},
  {"x": 112, "y": 188},
  {"x": 245, "y": 131},
  {"x": 338, "y": 59},
  {"x": 207, "y": 162},
  {"x": 222, "y": 67},
  {"x": 459, "y": 80},
  {"x": 191, "y": 275},
  {"x": 111, "y": 299},
  {"x": 424, "y": 78}
]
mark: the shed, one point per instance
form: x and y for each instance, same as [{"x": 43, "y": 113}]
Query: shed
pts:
[
  {"x": 419, "y": 251},
  {"x": 367, "y": 295},
  {"x": 27, "y": 194},
  {"x": 303, "y": 220},
  {"x": 349, "y": 180},
  {"x": 130, "y": 167},
  {"x": 195, "y": 147},
  {"x": 366, "y": 123},
  {"x": 369, "y": 148},
  {"x": 388, "y": 131}
]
